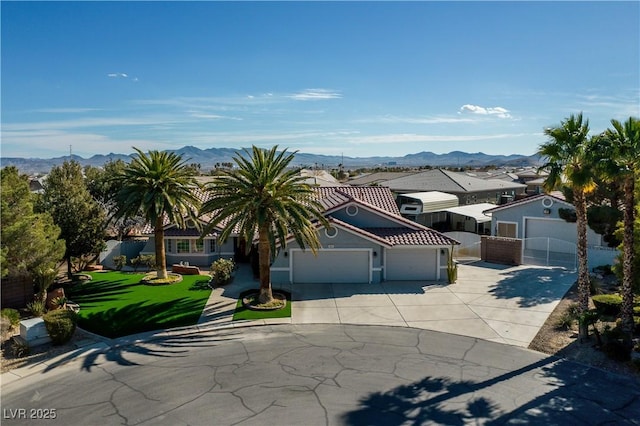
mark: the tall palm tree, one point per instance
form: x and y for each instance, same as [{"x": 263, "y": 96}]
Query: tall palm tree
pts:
[
  {"x": 159, "y": 186},
  {"x": 261, "y": 197},
  {"x": 569, "y": 162},
  {"x": 620, "y": 152}
]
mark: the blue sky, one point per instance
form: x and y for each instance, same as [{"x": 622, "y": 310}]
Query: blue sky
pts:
[{"x": 358, "y": 78}]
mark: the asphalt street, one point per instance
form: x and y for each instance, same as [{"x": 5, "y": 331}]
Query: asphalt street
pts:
[{"x": 315, "y": 374}]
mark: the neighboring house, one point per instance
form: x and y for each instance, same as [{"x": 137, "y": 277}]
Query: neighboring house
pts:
[
  {"x": 468, "y": 189},
  {"x": 369, "y": 241},
  {"x": 537, "y": 221},
  {"x": 377, "y": 178}
]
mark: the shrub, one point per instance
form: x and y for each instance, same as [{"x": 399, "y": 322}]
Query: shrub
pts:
[
  {"x": 607, "y": 304},
  {"x": 12, "y": 315},
  {"x": 119, "y": 262},
  {"x": 568, "y": 317},
  {"x": 59, "y": 302},
  {"x": 222, "y": 271},
  {"x": 60, "y": 324},
  {"x": 148, "y": 260},
  {"x": 38, "y": 307}
]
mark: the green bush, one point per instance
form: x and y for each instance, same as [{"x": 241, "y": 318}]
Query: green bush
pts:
[
  {"x": 60, "y": 324},
  {"x": 222, "y": 271},
  {"x": 38, "y": 307},
  {"x": 119, "y": 262},
  {"x": 12, "y": 315},
  {"x": 608, "y": 304}
]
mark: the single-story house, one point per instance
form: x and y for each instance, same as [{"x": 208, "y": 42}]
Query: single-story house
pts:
[
  {"x": 369, "y": 241},
  {"x": 537, "y": 221},
  {"x": 468, "y": 189}
]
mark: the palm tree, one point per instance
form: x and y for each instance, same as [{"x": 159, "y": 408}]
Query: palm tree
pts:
[
  {"x": 262, "y": 197},
  {"x": 159, "y": 186},
  {"x": 569, "y": 162},
  {"x": 620, "y": 152}
]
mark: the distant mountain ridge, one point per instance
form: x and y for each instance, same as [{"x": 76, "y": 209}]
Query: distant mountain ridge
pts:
[{"x": 208, "y": 158}]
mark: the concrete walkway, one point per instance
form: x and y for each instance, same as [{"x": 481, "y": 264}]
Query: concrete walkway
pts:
[{"x": 492, "y": 302}]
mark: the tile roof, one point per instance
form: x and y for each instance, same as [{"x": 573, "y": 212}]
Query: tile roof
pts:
[
  {"x": 380, "y": 197},
  {"x": 393, "y": 237},
  {"x": 412, "y": 237}
]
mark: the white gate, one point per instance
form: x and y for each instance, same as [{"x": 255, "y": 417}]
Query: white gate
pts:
[{"x": 549, "y": 252}]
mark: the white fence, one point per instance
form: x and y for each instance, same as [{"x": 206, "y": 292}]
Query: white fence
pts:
[
  {"x": 554, "y": 252},
  {"x": 469, "y": 249}
]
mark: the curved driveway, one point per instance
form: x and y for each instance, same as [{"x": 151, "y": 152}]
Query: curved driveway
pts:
[{"x": 317, "y": 375}]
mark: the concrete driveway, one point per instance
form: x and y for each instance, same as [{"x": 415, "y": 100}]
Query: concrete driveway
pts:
[{"x": 492, "y": 302}]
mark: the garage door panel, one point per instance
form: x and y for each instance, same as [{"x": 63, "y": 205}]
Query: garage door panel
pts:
[
  {"x": 331, "y": 266},
  {"x": 559, "y": 233},
  {"x": 403, "y": 265}
]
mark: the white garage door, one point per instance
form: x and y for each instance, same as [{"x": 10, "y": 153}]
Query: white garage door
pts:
[
  {"x": 411, "y": 264},
  {"x": 559, "y": 234},
  {"x": 331, "y": 266}
]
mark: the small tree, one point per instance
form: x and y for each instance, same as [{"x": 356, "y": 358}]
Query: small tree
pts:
[
  {"x": 30, "y": 241},
  {"x": 79, "y": 216}
]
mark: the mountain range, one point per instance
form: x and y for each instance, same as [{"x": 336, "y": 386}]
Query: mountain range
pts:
[{"x": 208, "y": 158}]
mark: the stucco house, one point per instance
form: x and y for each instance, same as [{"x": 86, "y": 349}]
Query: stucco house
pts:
[
  {"x": 537, "y": 221},
  {"x": 369, "y": 241},
  {"x": 468, "y": 189}
]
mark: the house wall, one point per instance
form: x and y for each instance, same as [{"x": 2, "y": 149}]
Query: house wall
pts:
[
  {"x": 361, "y": 217},
  {"x": 281, "y": 266},
  {"x": 204, "y": 259},
  {"x": 535, "y": 209}
]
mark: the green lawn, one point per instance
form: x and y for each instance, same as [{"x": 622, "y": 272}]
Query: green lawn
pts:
[
  {"x": 242, "y": 313},
  {"x": 115, "y": 304}
]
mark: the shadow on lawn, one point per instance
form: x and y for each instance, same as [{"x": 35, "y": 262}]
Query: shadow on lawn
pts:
[
  {"x": 96, "y": 291},
  {"x": 142, "y": 316}
]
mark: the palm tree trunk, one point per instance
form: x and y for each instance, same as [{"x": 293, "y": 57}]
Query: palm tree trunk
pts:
[
  {"x": 161, "y": 258},
  {"x": 264, "y": 259},
  {"x": 583, "y": 269},
  {"x": 626, "y": 310}
]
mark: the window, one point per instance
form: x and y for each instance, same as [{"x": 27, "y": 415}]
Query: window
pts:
[
  {"x": 212, "y": 245},
  {"x": 197, "y": 246},
  {"x": 182, "y": 246},
  {"x": 506, "y": 229},
  {"x": 169, "y": 246}
]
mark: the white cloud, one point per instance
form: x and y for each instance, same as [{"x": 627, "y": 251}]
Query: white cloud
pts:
[
  {"x": 118, "y": 75},
  {"x": 475, "y": 109},
  {"x": 315, "y": 94}
]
